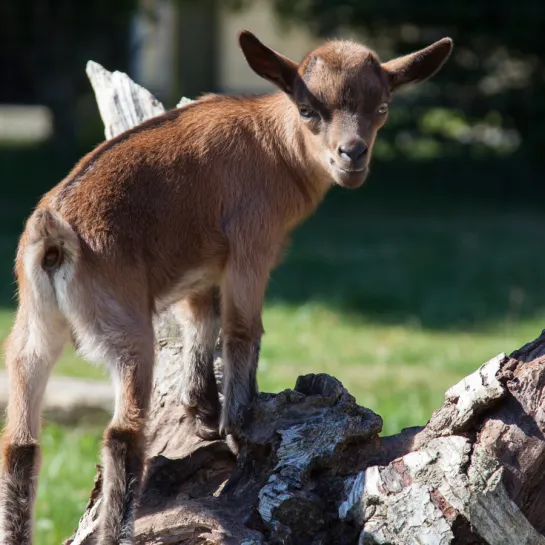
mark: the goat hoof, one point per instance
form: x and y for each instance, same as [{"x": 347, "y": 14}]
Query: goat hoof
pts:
[
  {"x": 206, "y": 430},
  {"x": 205, "y": 423}
]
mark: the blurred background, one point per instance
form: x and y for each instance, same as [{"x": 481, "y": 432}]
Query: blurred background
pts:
[{"x": 398, "y": 289}]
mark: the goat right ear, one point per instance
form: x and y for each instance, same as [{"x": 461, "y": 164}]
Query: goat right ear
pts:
[
  {"x": 267, "y": 63},
  {"x": 418, "y": 66}
]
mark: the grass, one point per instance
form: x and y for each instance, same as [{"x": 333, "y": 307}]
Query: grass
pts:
[
  {"x": 66, "y": 479},
  {"x": 399, "y": 298}
]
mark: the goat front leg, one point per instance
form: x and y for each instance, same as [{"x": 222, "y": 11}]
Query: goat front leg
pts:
[
  {"x": 199, "y": 315},
  {"x": 124, "y": 440},
  {"x": 243, "y": 291}
]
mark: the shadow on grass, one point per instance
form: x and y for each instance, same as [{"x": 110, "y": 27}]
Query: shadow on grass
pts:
[
  {"x": 435, "y": 263},
  {"x": 412, "y": 252}
]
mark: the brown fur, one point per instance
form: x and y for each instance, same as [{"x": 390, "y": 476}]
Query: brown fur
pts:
[
  {"x": 200, "y": 316},
  {"x": 18, "y": 489},
  {"x": 123, "y": 469},
  {"x": 197, "y": 199}
]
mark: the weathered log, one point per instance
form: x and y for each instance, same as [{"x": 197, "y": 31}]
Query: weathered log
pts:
[{"x": 312, "y": 468}]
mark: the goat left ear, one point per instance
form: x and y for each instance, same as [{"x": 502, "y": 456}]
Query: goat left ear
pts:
[
  {"x": 418, "y": 66},
  {"x": 267, "y": 63}
]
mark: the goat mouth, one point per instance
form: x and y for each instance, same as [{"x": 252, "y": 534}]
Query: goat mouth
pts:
[
  {"x": 352, "y": 178},
  {"x": 336, "y": 166},
  {"x": 352, "y": 170}
]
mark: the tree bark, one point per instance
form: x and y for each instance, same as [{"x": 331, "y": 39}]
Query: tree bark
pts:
[{"x": 312, "y": 468}]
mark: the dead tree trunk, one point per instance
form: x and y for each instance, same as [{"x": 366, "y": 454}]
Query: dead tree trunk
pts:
[{"x": 312, "y": 467}]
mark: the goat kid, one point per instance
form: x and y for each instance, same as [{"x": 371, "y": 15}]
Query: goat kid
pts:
[{"x": 195, "y": 202}]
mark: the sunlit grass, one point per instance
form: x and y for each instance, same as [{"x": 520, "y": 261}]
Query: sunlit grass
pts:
[
  {"x": 66, "y": 479},
  {"x": 399, "y": 371}
]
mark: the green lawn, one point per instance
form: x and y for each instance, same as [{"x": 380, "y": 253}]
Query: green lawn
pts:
[
  {"x": 398, "y": 297},
  {"x": 66, "y": 479}
]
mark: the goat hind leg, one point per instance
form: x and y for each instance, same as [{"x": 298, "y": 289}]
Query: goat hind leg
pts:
[
  {"x": 124, "y": 440},
  {"x": 199, "y": 315},
  {"x": 32, "y": 348}
]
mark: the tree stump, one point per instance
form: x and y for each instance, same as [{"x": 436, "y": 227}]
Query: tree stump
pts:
[{"x": 312, "y": 468}]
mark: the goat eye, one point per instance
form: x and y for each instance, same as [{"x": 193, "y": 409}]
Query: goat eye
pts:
[
  {"x": 382, "y": 109},
  {"x": 305, "y": 112}
]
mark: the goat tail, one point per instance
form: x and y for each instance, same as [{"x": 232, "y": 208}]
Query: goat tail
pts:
[{"x": 49, "y": 245}]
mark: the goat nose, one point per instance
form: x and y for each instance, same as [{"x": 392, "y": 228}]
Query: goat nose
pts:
[{"x": 352, "y": 149}]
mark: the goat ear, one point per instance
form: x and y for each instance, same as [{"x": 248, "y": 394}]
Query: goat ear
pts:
[
  {"x": 419, "y": 65},
  {"x": 267, "y": 63}
]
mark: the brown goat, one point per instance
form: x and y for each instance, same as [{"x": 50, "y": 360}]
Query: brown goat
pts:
[{"x": 195, "y": 202}]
